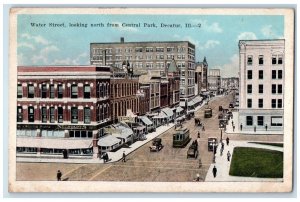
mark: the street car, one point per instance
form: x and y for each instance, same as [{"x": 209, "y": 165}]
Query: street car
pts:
[{"x": 181, "y": 137}]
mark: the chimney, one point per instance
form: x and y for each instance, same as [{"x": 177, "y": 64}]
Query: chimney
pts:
[{"x": 122, "y": 40}]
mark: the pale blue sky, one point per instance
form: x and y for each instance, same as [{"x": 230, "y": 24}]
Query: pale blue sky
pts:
[{"x": 217, "y": 39}]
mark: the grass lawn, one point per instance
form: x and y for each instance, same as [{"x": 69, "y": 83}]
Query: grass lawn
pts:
[
  {"x": 269, "y": 143},
  {"x": 256, "y": 162}
]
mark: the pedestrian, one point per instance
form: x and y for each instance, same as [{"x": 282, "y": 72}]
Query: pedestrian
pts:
[
  {"x": 200, "y": 163},
  {"x": 233, "y": 127},
  {"x": 222, "y": 145},
  {"x": 221, "y": 151},
  {"x": 228, "y": 156},
  {"x": 198, "y": 134},
  {"x": 227, "y": 141},
  {"x": 214, "y": 171},
  {"x": 203, "y": 128},
  {"x": 124, "y": 157},
  {"x": 241, "y": 127},
  {"x": 198, "y": 177},
  {"x": 266, "y": 127},
  {"x": 232, "y": 123},
  {"x": 58, "y": 175},
  {"x": 254, "y": 128}
]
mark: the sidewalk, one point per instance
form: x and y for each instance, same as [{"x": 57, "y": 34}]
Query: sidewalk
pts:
[
  {"x": 223, "y": 165},
  {"x": 235, "y": 119},
  {"x": 113, "y": 156}
]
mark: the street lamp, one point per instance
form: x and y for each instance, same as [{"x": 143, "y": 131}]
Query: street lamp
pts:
[
  {"x": 214, "y": 156},
  {"x": 221, "y": 134}
]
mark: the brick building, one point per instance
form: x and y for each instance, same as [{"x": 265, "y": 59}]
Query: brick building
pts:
[
  {"x": 153, "y": 56},
  {"x": 62, "y": 108},
  {"x": 201, "y": 77},
  {"x": 124, "y": 88}
]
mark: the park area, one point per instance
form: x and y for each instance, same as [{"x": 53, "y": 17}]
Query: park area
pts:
[{"x": 256, "y": 162}]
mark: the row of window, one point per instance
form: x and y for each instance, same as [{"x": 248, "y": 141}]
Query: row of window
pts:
[
  {"x": 55, "y": 151},
  {"x": 275, "y": 121},
  {"x": 46, "y": 115},
  {"x": 276, "y": 59},
  {"x": 274, "y": 103},
  {"x": 275, "y": 88},
  {"x": 275, "y": 74},
  {"x": 102, "y": 91},
  {"x": 139, "y": 50}
]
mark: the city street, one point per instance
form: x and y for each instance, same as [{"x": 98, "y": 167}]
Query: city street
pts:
[{"x": 169, "y": 164}]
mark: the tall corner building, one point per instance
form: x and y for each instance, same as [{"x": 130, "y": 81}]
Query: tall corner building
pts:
[
  {"x": 153, "y": 56},
  {"x": 262, "y": 67}
]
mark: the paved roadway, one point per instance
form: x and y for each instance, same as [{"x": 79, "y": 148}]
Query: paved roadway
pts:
[{"x": 170, "y": 164}]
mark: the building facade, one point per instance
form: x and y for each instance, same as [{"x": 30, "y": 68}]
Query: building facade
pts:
[
  {"x": 261, "y": 84},
  {"x": 153, "y": 56},
  {"x": 124, "y": 88},
  {"x": 214, "y": 81},
  {"x": 201, "y": 77},
  {"x": 62, "y": 108},
  {"x": 231, "y": 83},
  {"x": 144, "y": 101}
]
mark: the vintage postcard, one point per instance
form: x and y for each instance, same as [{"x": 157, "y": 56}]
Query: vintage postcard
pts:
[{"x": 151, "y": 100}]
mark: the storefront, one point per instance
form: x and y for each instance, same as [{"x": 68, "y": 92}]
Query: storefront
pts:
[
  {"x": 147, "y": 123},
  {"x": 109, "y": 143},
  {"x": 169, "y": 113},
  {"x": 160, "y": 119},
  {"x": 54, "y": 146}
]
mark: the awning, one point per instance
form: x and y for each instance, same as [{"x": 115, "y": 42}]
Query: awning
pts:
[
  {"x": 108, "y": 141},
  {"x": 146, "y": 120},
  {"x": 121, "y": 135},
  {"x": 179, "y": 109},
  {"x": 191, "y": 103},
  {"x": 197, "y": 99},
  {"x": 182, "y": 104},
  {"x": 168, "y": 111},
  {"x": 54, "y": 143},
  {"x": 161, "y": 115},
  {"x": 140, "y": 128}
]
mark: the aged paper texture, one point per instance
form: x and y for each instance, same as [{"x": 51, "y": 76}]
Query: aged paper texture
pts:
[{"x": 151, "y": 100}]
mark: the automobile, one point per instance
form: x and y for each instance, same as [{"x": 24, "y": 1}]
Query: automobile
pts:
[
  {"x": 193, "y": 150},
  {"x": 198, "y": 121},
  {"x": 220, "y": 108},
  {"x": 231, "y": 105},
  {"x": 156, "y": 145},
  {"x": 212, "y": 143},
  {"x": 222, "y": 123}
]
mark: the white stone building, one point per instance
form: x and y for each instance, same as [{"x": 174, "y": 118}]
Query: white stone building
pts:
[
  {"x": 261, "y": 84},
  {"x": 214, "y": 81}
]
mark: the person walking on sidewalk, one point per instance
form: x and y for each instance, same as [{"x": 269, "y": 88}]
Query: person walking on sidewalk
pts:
[
  {"x": 266, "y": 127},
  {"x": 227, "y": 141},
  {"x": 58, "y": 175},
  {"x": 124, "y": 157},
  {"x": 228, "y": 156},
  {"x": 214, "y": 171},
  {"x": 198, "y": 134},
  {"x": 233, "y": 127},
  {"x": 232, "y": 123},
  {"x": 241, "y": 127}
]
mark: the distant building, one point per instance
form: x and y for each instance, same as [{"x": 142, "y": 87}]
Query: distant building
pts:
[
  {"x": 201, "y": 77},
  {"x": 62, "y": 109},
  {"x": 262, "y": 65},
  {"x": 214, "y": 81},
  {"x": 150, "y": 56},
  {"x": 231, "y": 83}
]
